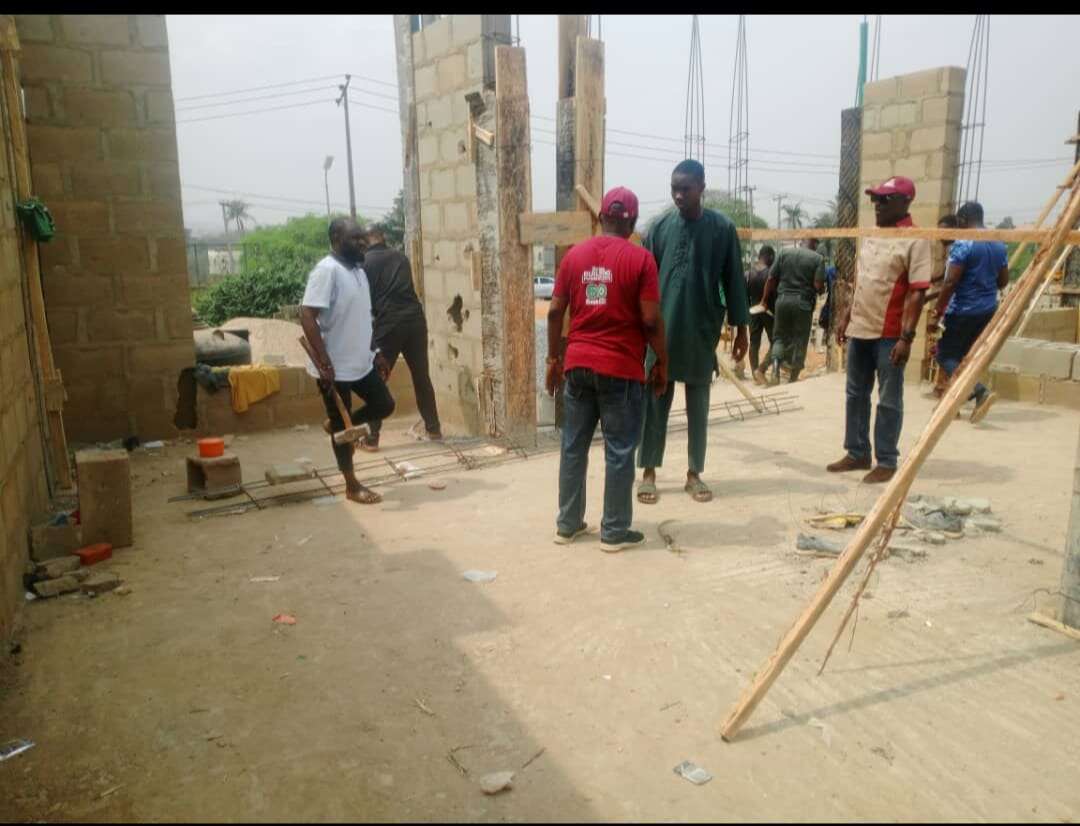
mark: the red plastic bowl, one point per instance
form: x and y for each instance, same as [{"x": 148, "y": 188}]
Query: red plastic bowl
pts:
[{"x": 209, "y": 448}]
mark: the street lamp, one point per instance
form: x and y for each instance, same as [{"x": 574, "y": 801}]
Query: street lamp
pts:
[{"x": 326, "y": 181}]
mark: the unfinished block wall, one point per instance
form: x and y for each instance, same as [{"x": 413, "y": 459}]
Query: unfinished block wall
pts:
[
  {"x": 448, "y": 63},
  {"x": 23, "y": 486},
  {"x": 911, "y": 127},
  {"x": 103, "y": 154}
]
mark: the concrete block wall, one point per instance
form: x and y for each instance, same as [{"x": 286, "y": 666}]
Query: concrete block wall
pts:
[
  {"x": 448, "y": 63},
  {"x": 23, "y": 486},
  {"x": 1034, "y": 370},
  {"x": 103, "y": 153}
]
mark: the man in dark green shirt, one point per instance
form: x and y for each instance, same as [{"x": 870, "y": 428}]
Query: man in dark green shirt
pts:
[
  {"x": 701, "y": 282},
  {"x": 798, "y": 278}
]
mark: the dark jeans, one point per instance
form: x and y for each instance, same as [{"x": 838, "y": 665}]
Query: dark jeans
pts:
[
  {"x": 618, "y": 405},
  {"x": 866, "y": 359},
  {"x": 791, "y": 332},
  {"x": 410, "y": 340},
  {"x": 760, "y": 323},
  {"x": 961, "y": 331},
  {"x": 378, "y": 404}
]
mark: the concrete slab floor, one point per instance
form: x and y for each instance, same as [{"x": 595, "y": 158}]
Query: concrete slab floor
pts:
[{"x": 184, "y": 701}]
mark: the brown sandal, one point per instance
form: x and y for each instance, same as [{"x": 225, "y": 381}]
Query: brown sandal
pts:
[{"x": 363, "y": 496}]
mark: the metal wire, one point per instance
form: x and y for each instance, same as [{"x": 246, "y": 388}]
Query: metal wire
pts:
[
  {"x": 969, "y": 170},
  {"x": 694, "y": 137},
  {"x": 739, "y": 122}
]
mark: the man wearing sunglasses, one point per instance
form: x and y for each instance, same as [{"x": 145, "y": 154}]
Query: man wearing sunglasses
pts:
[{"x": 891, "y": 280}]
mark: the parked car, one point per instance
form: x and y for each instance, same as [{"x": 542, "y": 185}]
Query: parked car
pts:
[{"x": 543, "y": 286}]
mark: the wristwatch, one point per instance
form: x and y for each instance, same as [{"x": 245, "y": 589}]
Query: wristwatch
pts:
[{"x": 908, "y": 336}]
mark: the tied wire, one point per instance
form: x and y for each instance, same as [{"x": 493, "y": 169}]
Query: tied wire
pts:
[{"x": 694, "y": 137}]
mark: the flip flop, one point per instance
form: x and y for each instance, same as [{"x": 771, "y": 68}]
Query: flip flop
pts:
[
  {"x": 647, "y": 489},
  {"x": 698, "y": 490},
  {"x": 364, "y": 496}
]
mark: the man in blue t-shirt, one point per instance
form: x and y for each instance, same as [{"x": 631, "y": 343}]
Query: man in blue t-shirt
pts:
[{"x": 976, "y": 271}]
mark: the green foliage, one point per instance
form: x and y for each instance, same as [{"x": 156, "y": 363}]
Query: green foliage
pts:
[
  {"x": 273, "y": 271},
  {"x": 393, "y": 223},
  {"x": 721, "y": 201},
  {"x": 1022, "y": 262}
]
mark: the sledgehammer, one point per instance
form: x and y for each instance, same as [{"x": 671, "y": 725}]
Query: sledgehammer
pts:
[{"x": 351, "y": 433}]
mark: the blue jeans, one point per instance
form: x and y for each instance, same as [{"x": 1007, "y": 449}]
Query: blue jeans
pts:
[
  {"x": 618, "y": 405},
  {"x": 865, "y": 359}
]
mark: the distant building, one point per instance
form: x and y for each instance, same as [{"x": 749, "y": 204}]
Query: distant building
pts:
[{"x": 543, "y": 260}]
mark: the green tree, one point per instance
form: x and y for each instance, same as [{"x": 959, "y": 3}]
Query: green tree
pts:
[
  {"x": 721, "y": 201},
  {"x": 393, "y": 223},
  {"x": 1006, "y": 223},
  {"x": 795, "y": 215},
  {"x": 827, "y": 220},
  {"x": 237, "y": 212}
]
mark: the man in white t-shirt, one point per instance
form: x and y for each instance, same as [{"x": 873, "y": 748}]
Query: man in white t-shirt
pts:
[{"x": 336, "y": 316}]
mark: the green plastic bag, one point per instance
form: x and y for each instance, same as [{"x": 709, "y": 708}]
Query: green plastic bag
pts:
[{"x": 37, "y": 219}]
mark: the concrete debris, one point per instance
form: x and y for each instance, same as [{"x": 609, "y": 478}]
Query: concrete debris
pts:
[
  {"x": 898, "y": 613},
  {"x": 100, "y": 582},
  {"x": 54, "y": 587},
  {"x": 122, "y": 591},
  {"x": 826, "y": 731},
  {"x": 480, "y": 576},
  {"x": 978, "y": 524},
  {"x": 808, "y": 542},
  {"x": 932, "y": 519},
  {"x": 692, "y": 772},
  {"x": 52, "y": 568},
  {"x": 496, "y": 782},
  {"x": 437, "y": 484},
  {"x": 908, "y": 553},
  {"x": 326, "y": 501},
  {"x": 155, "y": 445},
  {"x": 407, "y": 470},
  {"x": 929, "y": 537}
]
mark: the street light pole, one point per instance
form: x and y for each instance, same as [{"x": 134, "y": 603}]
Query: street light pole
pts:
[
  {"x": 326, "y": 182},
  {"x": 348, "y": 144}
]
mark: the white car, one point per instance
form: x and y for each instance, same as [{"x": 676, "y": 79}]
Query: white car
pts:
[{"x": 543, "y": 286}]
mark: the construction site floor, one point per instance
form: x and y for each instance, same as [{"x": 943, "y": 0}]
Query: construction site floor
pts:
[{"x": 402, "y": 684}]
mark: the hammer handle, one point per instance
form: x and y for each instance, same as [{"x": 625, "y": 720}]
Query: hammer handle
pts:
[{"x": 345, "y": 417}]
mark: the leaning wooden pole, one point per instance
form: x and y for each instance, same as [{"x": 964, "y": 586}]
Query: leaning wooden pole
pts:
[
  {"x": 1067, "y": 184},
  {"x": 964, "y": 379}
]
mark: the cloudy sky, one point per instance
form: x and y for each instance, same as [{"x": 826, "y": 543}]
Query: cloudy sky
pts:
[{"x": 256, "y": 115}]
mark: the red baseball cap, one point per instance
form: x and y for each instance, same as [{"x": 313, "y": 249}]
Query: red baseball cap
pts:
[
  {"x": 620, "y": 202},
  {"x": 895, "y": 184}
]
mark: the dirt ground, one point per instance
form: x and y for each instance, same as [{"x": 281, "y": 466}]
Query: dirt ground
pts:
[{"x": 183, "y": 700}]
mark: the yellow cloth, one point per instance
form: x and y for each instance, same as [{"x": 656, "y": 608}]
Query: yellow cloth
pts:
[{"x": 252, "y": 383}]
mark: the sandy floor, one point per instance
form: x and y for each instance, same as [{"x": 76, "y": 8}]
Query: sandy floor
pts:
[{"x": 183, "y": 701}]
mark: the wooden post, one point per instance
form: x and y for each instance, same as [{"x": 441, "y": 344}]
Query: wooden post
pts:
[
  {"x": 514, "y": 194},
  {"x": 974, "y": 364},
  {"x": 847, "y": 215},
  {"x": 1070, "y": 570},
  {"x": 50, "y": 380}
]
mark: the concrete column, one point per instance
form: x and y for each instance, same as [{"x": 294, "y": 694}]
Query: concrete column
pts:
[{"x": 1070, "y": 570}]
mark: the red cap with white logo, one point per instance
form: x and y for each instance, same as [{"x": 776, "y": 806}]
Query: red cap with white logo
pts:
[
  {"x": 896, "y": 185},
  {"x": 620, "y": 202}
]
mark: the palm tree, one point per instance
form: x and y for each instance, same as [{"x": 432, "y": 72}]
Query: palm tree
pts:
[
  {"x": 795, "y": 215},
  {"x": 826, "y": 220},
  {"x": 237, "y": 212}
]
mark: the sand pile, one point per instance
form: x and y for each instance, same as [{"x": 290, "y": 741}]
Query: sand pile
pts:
[{"x": 271, "y": 337}]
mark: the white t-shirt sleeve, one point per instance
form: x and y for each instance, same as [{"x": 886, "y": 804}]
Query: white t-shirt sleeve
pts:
[{"x": 320, "y": 288}]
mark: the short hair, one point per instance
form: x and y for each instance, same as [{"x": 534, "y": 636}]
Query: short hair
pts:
[
  {"x": 337, "y": 227},
  {"x": 692, "y": 168},
  {"x": 970, "y": 211},
  {"x": 948, "y": 221},
  {"x": 768, "y": 253},
  {"x": 376, "y": 230}
]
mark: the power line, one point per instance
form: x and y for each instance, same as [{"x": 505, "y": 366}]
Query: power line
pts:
[
  {"x": 318, "y": 202},
  {"x": 257, "y": 88},
  {"x": 253, "y": 99},
  {"x": 255, "y": 111}
]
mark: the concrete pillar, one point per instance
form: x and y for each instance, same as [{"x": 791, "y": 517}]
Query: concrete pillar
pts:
[{"x": 1070, "y": 570}]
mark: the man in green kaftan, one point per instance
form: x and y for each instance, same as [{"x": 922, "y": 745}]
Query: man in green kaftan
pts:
[
  {"x": 701, "y": 281},
  {"x": 797, "y": 278}
]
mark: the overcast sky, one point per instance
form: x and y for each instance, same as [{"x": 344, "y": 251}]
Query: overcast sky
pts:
[{"x": 802, "y": 73}]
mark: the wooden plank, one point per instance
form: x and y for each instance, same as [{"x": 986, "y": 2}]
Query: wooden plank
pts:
[
  {"x": 571, "y": 27},
  {"x": 514, "y": 192},
  {"x": 1060, "y": 627},
  {"x": 932, "y": 234},
  {"x": 963, "y": 381},
  {"x": 589, "y": 115},
  {"x": 484, "y": 135},
  {"x": 740, "y": 385},
  {"x": 588, "y": 200},
  {"x": 559, "y": 228}
]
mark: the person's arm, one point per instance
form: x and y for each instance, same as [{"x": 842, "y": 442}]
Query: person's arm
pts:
[
  {"x": 844, "y": 318},
  {"x": 770, "y": 287},
  {"x": 819, "y": 277},
  {"x": 652, "y": 321},
  {"x": 560, "y": 300},
  {"x": 310, "y": 324},
  {"x": 1003, "y": 277},
  {"x": 738, "y": 305},
  {"x": 953, "y": 274}
]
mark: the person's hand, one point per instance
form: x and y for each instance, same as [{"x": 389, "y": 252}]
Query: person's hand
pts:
[
  {"x": 900, "y": 353},
  {"x": 741, "y": 344},
  {"x": 841, "y": 327},
  {"x": 382, "y": 366},
  {"x": 554, "y": 377},
  {"x": 658, "y": 378},
  {"x": 326, "y": 372}
]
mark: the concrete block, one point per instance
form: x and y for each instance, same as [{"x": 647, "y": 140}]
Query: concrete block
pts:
[
  {"x": 34, "y": 28},
  {"x": 212, "y": 475},
  {"x": 466, "y": 28},
  {"x": 1062, "y": 394},
  {"x": 936, "y": 191},
  {"x": 48, "y": 180},
  {"x": 55, "y": 587},
  {"x": 913, "y": 167},
  {"x": 59, "y": 566},
  {"x": 446, "y": 254},
  {"x": 425, "y": 84},
  {"x": 920, "y": 84},
  {"x": 151, "y": 29},
  {"x": 164, "y": 180},
  {"x": 431, "y": 218},
  {"x": 1011, "y": 353},
  {"x": 442, "y": 184},
  {"x": 106, "y": 255},
  {"x": 159, "y": 107},
  {"x": 440, "y": 113},
  {"x": 941, "y": 165},
  {"x": 425, "y": 185},
  {"x": 141, "y": 217},
  {"x": 466, "y": 181},
  {"x": 474, "y": 62},
  {"x": 125, "y": 68},
  {"x": 428, "y": 150},
  {"x": 451, "y": 73},
  {"x": 944, "y": 109},
  {"x": 437, "y": 38},
  {"x": 105, "y": 496},
  {"x": 170, "y": 255},
  {"x": 57, "y": 63},
  {"x": 452, "y": 148},
  {"x": 930, "y": 138},
  {"x": 102, "y": 29},
  {"x": 1047, "y": 358},
  {"x": 876, "y": 145},
  {"x": 149, "y": 359},
  {"x": 284, "y": 473},
  {"x": 80, "y": 217},
  {"x": 899, "y": 115},
  {"x": 63, "y": 143},
  {"x": 419, "y": 49},
  {"x": 98, "y": 179},
  {"x": 141, "y": 144},
  {"x": 952, "y": 80},
  {"x": 871, "y": 118},
  {"x": 38, "y": 104},
  {"x": 900, "y": 140},
  {"x": 107, "y": 325},
  {"x": 881, "y": 91},
  {"x": 876, "y": 171},
  {"x": 99, "y": 582}
]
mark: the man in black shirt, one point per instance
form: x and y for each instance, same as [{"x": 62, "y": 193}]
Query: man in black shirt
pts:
[
  {"x": 760, "y": 322},
  {"x": 400, "y": 327}
]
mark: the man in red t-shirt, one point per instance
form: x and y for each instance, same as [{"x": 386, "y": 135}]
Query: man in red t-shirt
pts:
[{"x": 613, "y": 293}]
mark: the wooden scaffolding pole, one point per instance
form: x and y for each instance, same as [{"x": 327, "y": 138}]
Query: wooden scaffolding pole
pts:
[
  {"x": 50, "y": 378},
  {"x": 978, "y": 360}
]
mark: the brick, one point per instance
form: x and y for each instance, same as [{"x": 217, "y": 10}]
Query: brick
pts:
[
  {"x": 876, "y": 145},
  {"x": 147, "y": 216},
  {"x": 159, "y": 107},
  {"x": 899, "y": 114},
  {"x": 437, "y": 38},
  {"x": 141, "y": 144},
  {"x": 148, "y": 359},
  {"x": 63, "y": 143},
  {"x": 47, "y": 180},
  {"x": 881, "y": 91},
  {"x": 151, "y": 29},
  {"x": 945, "y": 109},
  {"x": 474, "y": 60},
  {"x": 424, "y": 84},
  {"x": 104, "y": 326},
  {"x": 100, "y": 582},
  {"x": 113, "y": 255},
  {"x": 80, "y": 217},
  {"x": 94, "y": 553},
  {"x": 64, "y": 290},
  {"x": 920, "y": 84},
  {"x": 451, "y": 73},
  {"x": 101, "y": 29},
  {"x": 105, "y": 496},
  {"x": 34, "y": 28},
  {"x": 54, "y": 63},
  {"x": 92, "y": 107},
  {"x": 59, "y": 566},
  {"x": 466, "y": 28},
  {"x": 85, "y": 362},
  {"x": 135, "y": 68},
  {"x": 97, "y": 179},
  {"x": 56, "y": 587},
  {"x": 1046, "y": 358},
  {"x": 442, "y": 184},
  {"x": 38, "y": 104}
]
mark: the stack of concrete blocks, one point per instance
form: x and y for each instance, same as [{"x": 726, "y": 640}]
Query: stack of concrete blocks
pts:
[
  {"x": 23, "y": 486},
  {"x": 448, "y": 64},
  {"x": 911, "y": 127},
  {"x": 1034, "y": 370},
  {"x": 103, "y": 152},
  {"x": 105, "y": 513}
]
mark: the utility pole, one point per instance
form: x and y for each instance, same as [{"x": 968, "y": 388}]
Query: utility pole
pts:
[
  {"x": 326, "y": 182},
  {"x": 348, "y": 143},
  {"x": 779, "y": 200},
  {"x": 1070, "y": 570}
]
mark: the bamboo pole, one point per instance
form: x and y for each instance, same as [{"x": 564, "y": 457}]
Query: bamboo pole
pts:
[
  {"x": 1042, "y": 288},
  {"x": 1050, "y": 204},
  {"x": 973, "y": 365},
  {"x": 1039, "y": 236}
]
